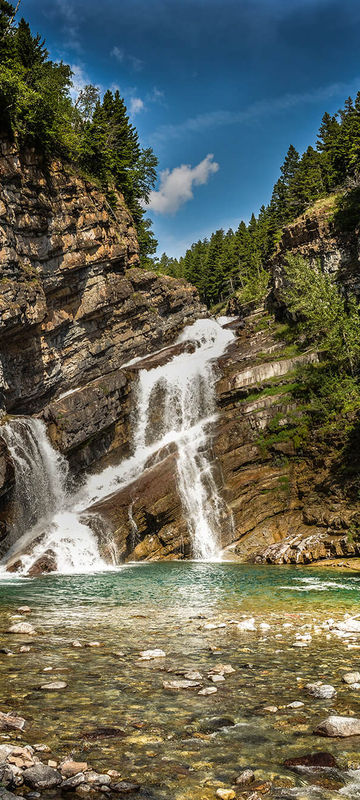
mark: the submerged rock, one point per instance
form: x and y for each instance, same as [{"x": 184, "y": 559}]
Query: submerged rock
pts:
[
  {"x": 125, "y": 787},
  {"x": 225, "y": 794},
  {"x": 247, "y": 625},
  {"x": 351, "y": 677},
  {"x": 321, "y": 691},
  {"x": 10, "y": 722},
  {"x": 322, "y": 759},
  {"x": 245, "y": 777},
  {"x": 148, "y": 655},
  {"x": 54, "y": 686},
  {"x": 176, "y": 685},
  {"x": 338, "y": 727},
  {"x": 22, "y": 628}
]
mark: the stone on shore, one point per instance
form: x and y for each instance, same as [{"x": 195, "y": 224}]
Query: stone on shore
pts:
[
  {"x": 338, "y": 727},
  {"x": 24, "y": 610},
  {"x": 73, "y": 781},
  {"x": 69, "y": 768},
  {"x": 6, "y": 795},
  {"x": 42, "y": 777},
  {"x": 208, "y": 690}
]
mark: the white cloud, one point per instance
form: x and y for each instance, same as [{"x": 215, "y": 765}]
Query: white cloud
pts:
[
  {"x": 122, "y": 56},
  {"x": 176, "y": 186},
  {"x": 118, "y": 53},
  {"x": 79, "y": 80},
  {"x": 136, "y": 105}
]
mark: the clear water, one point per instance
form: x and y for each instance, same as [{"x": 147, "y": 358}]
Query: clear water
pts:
[{"x": 165, "y": 744}]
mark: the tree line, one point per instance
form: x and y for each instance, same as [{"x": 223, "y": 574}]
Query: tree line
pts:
[
  {"x": 94, "y": 134},
  {"x": 232, "y": 261}
]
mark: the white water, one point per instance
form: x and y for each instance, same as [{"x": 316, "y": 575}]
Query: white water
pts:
[{"x": 175, "y": 404}]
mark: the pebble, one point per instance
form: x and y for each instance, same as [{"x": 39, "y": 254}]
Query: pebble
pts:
[
  {"x": 212, "y": 626},
  {"x": 93, "y": 644},
  {"x": 148, "y": 655},
  {"x": 225, "y": 794},
  {"x": 175, "y": 685},
  {"x": 41, "y": 748},
  {"x": 193, "y": 676},
  {"x": 76, "y": 643},
  {"x": 246, "y": 776},
  {"x": 223, "y": 669},
  {"x": 247, "y": 625},
  {"x": 24, "y": 610},
  {"x": 54, "y": 686},
  {"x": 22, "y": 628},
  {"x": 98, "y": 779},
  {"x": 351, "y": 677},
  {"x": 295, "y": 704},
  {"x": 217, "y": 678},
  {"x": 25, "y": 648},
  {"x": 208, "y": 690},
  {"x": 271, "y": 709}
]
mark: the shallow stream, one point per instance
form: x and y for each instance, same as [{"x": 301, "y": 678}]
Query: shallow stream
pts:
[{"x": 165, "y": 739}]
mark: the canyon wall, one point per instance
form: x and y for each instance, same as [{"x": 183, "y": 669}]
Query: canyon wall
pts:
[{"x": 74, "y": 308}]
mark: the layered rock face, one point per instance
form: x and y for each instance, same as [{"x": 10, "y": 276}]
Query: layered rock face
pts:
[
  {"x": 287, "y": 506},
  {"x": 323, "y": 236},
  {"x": 74, "y": 308}
]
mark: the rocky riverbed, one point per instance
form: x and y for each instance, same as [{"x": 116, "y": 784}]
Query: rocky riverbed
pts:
[{"x": 185, "y": 681}]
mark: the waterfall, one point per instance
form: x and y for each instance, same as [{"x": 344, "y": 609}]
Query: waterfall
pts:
[
  {"x": 43, "y": 519},
  {"x": 175, "y": 405}
]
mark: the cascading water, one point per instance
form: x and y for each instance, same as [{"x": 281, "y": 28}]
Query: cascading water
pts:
[
  {"x": 175, "y": 404},
  {"x": 43, "y": 520}
]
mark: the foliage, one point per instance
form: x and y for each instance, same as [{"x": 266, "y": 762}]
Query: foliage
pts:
[
  {"x": 324, "y": 315},
  {"x": 94, "y": 135}
]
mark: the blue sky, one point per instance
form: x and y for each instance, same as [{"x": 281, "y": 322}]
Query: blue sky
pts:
[{"x": 218, "y": 88}]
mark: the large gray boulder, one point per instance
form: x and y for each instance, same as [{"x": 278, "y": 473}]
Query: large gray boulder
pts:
[
  {"x": 339, "y": 726},
  {"x": 42, "y": 777}
]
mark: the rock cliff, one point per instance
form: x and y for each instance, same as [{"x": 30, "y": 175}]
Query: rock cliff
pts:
[{"x": 74, "y": 308}]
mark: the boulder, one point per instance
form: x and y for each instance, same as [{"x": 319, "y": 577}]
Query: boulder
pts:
[
  {"x": 321, "y": 691},
  {"x": 338, "y": 727},
  {"x": 42, "y": 777}
]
